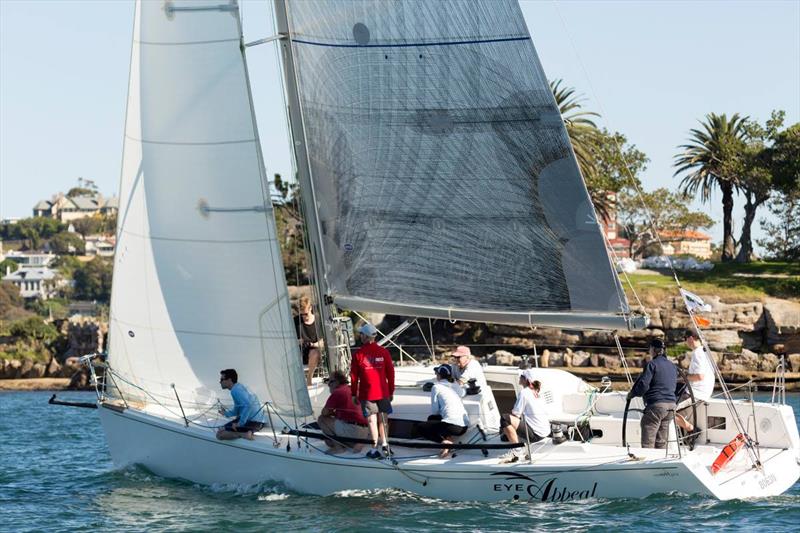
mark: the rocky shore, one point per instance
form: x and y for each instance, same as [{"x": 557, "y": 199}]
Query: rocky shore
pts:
[{"x": 747, "y": 341}]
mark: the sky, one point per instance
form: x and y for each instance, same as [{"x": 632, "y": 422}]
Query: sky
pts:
[{"x": 653, "y": 69}]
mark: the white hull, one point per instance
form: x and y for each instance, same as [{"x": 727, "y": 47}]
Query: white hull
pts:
[{"x": 565, "y": 472}]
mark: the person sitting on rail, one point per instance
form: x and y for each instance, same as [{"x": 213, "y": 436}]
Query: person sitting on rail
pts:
[
  {"x": 247, "y": 409},
  {"x": 340, "y": 418},
  {"x": 532, "y": 409},
  {"x": 448, "y": 417}
]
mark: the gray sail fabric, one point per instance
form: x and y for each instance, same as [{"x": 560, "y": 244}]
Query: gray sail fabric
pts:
[{"x": 443, "y": 174}]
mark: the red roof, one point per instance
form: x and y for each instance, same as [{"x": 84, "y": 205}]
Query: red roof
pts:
[{"x": 688, "y": 235}]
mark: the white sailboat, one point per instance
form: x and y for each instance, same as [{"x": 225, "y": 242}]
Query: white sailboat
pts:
[{"x": 438, "y": 181}]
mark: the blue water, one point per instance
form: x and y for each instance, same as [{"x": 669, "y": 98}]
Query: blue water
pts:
[{"x": 56, "y": 475}]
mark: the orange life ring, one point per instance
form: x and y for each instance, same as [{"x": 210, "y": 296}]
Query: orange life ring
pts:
[{"x": 727, "y": 453}]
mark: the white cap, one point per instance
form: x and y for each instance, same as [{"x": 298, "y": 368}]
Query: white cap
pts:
[{"x": 528, "y": 375}]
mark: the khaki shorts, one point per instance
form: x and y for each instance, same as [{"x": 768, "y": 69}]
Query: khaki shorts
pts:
[{"x": 352, "y": 431}]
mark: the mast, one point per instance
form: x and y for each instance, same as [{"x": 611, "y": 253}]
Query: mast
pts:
[{"x": 308, "y": 196}]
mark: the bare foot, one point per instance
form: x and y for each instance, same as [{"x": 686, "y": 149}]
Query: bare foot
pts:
[
  {"x": 249, "y": 435},
  {"x": 445, "y": 451}
]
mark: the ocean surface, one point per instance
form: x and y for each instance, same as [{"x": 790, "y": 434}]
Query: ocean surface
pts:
[{"x": 56, "y": 475}]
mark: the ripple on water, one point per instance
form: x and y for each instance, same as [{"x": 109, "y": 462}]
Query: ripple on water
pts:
[{"x": 66, "y": 482}]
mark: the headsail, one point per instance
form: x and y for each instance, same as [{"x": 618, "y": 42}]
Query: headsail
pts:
[
  {"x": 198, "y": 279},
  {"x": 444, "y": 179}
]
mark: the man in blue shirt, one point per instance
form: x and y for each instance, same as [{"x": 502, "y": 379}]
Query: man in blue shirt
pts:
[
  {"x": 247, "y": 409},
  {"x": 657, "y": 385}
]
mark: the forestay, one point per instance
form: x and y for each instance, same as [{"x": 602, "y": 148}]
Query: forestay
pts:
[
  {"x": 198, "y": 281},
  {"x": 444, "y": 179}
]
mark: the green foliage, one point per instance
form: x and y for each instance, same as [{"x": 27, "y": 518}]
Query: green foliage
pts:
[
  {"x": 95, "y": 224},
  {"x": 676, "y": 351},
  {"x": 58, "y": 308},
  {"x": 66, "y": 265},
  {"x": 93, "y": 280},
  {"x": 732, "y": 282},
  {"x": 782, "y": 241},
  {"x": 67, "y": 243},
  {"x": 79, "y": 191},
  {"x": 291, "y": 232},
  {"x": 11, "y": 303},
  {"x": 33, "y": 329},
  {"x": 12, "y": 266},
  {"x": 32, "y": 230},
  {"x": 711, "y": 160}
]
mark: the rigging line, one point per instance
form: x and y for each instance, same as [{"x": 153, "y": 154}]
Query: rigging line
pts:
[
  {"x": 424, "y": 339},
  {"x": 412, "y": 45},
  {"x": 627, "y": 164}
]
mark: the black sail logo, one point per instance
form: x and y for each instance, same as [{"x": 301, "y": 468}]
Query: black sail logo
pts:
[{"x": 545, "y": 490}]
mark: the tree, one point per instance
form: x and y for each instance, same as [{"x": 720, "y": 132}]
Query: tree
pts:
[
  {"x": 711, "y": 159},
  {"x": 8, "y": 265},
  {"x": 88, "y": 225},
  {"x": 67, "y": 243},
  {"x": 32, "y": 230},
  {"x": 640, "y": 216},
  {"x": 33, "y": 329},
  {"x": 783, "y": 236},
  {"x": 93, "y": 280},
  {"x": 291, "y": 231}
]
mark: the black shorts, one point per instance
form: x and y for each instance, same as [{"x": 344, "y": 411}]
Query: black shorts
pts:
[
  {"x": 505, "y": 421},
  {"x": 252, "y": 425}
]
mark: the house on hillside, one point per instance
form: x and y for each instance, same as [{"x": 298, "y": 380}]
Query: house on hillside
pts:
[
  {"x": 689, "y": 242},
  {"x": 101, "y": 245},
  {"x": 39, "y": 282},
  {"x": 64, "y": 208}
]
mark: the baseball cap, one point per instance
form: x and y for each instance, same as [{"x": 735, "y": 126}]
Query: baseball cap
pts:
[
  {"x": 368, "y": 329},
  {"x": 444, "y": 371},
  {"x": 461, "y": 351}
]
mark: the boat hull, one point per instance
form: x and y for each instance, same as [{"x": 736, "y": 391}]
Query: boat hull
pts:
[{"x": 169, "y": 449}]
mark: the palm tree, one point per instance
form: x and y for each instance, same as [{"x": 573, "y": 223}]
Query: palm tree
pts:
[
  {"x": 582, "y": 132},
  {"x": 711, "y": 160}
]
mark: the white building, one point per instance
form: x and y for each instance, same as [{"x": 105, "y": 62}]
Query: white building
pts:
[
  {"x": 101, "y": 245},
  {"x": 35, "y": 282},
  {"x": 31, "y": 259}
]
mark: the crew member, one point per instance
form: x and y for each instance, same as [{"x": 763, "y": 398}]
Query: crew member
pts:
[
  {"x": 247, "y": 409},
  {"x": 372, "y": 378},
  {"x": 657, "y": 385}
]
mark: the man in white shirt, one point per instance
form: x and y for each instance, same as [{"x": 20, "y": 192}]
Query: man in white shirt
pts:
[
  {"x": 467, "y": 368},
  {"x": 700, "y": 377},
  {"x": 532, "y": 409}
]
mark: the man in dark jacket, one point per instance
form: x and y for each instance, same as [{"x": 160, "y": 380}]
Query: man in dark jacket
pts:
[{"x": 657, "y": 385}]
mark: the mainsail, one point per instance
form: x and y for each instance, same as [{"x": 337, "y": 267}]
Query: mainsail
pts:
[
  {"x": 198, "y": 279},
  {"x": 444, "y": 181}
]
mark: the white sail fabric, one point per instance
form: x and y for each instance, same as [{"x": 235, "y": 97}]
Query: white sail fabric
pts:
[
  {"x": 444, "y": 178},
  {"x": 198, "y": 281}
]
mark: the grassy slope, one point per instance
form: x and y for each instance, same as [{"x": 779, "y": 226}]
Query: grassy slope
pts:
[{"x": 721, "y": 281}]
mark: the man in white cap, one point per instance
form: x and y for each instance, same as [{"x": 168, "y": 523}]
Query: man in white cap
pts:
[
  {"x": 372, "y": 379},
  {"x": 530, "y": 408}
]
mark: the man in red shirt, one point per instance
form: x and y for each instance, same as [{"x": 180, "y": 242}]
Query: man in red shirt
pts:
[
  {"x": 340, "y": 418},
  {"x": 372, "y": 378}
]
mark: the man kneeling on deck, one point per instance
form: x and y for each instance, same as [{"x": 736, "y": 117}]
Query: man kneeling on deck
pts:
[
  {"x": 249, "y": 416},
  {"x": 340, "y": 418},
  {"x": 532, "y": 409},
  {"x": 448, "y": 418}
]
